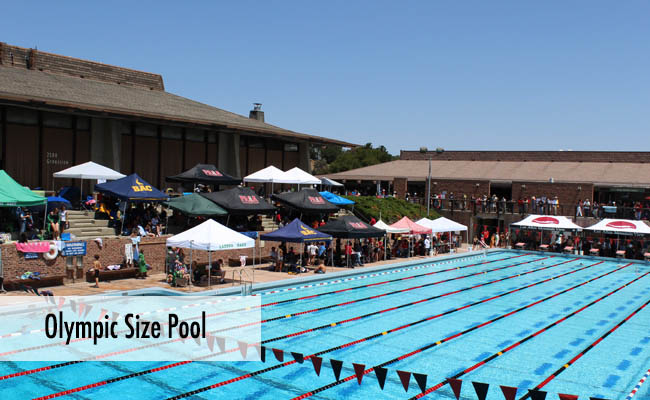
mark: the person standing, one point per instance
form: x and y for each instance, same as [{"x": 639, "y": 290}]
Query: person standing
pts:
[
  {"x": 97, "y": 266},
  {"x": 63, "y": 219},
  {"x": 53, "y": 222},
  {"x": 142, "y": 265},
  {"x": 427, "y": 246}
]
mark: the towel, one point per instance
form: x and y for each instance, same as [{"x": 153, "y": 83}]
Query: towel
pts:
[{"x": 33, "y": 247}]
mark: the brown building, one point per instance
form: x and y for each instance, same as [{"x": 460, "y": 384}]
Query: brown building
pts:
[{"x": 57, "y": 111}]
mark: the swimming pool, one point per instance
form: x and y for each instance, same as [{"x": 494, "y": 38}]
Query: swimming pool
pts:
[{"x": 508, "y": 318}]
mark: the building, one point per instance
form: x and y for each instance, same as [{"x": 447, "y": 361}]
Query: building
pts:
[{"x": 58, "y": 111}]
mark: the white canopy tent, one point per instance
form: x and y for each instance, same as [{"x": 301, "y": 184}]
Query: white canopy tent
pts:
[
  {"x": 211, "y": 236},
  {"x": 272, "y": 175},
  {"x": 442, "y": 224},
  {"x": 620, "y": 227},
  {"x": 547, "y": 222},
  {"x": 325, "y": 181},
  {"x": 299, "y": 177},
  {"x": 389, "y": 229},
  {"x": 269, "y": 174},
  {"x": 89, "y": 170}
]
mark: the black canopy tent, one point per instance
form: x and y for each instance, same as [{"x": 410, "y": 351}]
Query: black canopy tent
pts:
[
  {"x": 351, "y": 227},
  {"x": 206, "y": 174},
  {"x": 240, "y": 201},
  {"x": 307, "y": 201}
]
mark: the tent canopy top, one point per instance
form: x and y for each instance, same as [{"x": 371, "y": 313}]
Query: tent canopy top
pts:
[
  {"x": 133, "y": 188},
  {"x": 270, "y": 174},
  {"x": 89, "y": 170},
  {"x": 210, "y": 236},
  {"x": 325, "y": 181},
  {"x": 206, "y": 174},
  {"x": 441, "y": 224},
  {"x": 296, "y": 232},
  {"x": 336, "y": 199},
  {"x": 240, "y": 201},
  {"x": 547, "y": 222},
  {"x": 413, "y": 228},
  {"x": 620, "y": 227},
  {"x": 12, "y": 194},
  {"x": 195, "y": 205},
  {"x": 351, "y": 227},
  {"x": 307, "y": 201},
  {"x": 389, "y": 229}
]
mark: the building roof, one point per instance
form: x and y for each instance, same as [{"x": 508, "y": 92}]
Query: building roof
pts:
[
  {"x": 62, "y": 82},
  {"x": 598, "y": 173},
  {"x": 535, "y": 155}
]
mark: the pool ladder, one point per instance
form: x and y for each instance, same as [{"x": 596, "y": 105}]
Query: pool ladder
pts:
[{"x": 246, "y": 285}]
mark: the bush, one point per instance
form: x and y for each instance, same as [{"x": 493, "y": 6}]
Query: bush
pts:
[{"x": 391, "y": 209}]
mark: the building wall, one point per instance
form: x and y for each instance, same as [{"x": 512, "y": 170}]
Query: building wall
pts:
[
  {"x": 584, "y": 156},
  {"x": 470, "y": 187},
  {"x": 400, "y": 187},
  {"x": 567, "y": 193}
]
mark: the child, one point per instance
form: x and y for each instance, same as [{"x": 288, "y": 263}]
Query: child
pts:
[{"x": 97, "y": 266}]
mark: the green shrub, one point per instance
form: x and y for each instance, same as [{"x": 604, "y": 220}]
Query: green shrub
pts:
[{"x": 390, "y": 209}]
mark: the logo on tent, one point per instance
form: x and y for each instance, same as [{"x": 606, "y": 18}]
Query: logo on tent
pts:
[
  {"x": 249, "y": 199},
  {"x": 141, "y": 187},
  {"x": 546, "y": 221},
  {"x": 358, "y": 225},
  {"x": 316, "y": 200},
  {"x": 210, "y": 172},
  {"x": 306, "y": 231},
  {"x": 621, "y": 225}
]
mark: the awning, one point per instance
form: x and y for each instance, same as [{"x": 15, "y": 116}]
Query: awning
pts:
[
  {"x": 269, "y": 174},
  {"x": 389, "y": 229},
  {"x": 195, "y": 205},
  {"x": 441, "y": 224},
  {"x": 12, "y": 194},
  {"x": 307, "y": 201},
  {"x": 240, "y": 201},
  {"x": 351, "y": 227},
  {"x": 296, "y": 232},
  {"x": 547, "y": 222},
  {"x": 412, "y": 227},
  {"x": 89, "y": 170},
  {"x": 325, "y": 181},
  {"x": 132, "y": 188},
  {"x": 210, "y": 236},
  {"x": 336, "y": 199},
  {"x": 206, "y": 174},
  {"x": 620, "y": 227}
]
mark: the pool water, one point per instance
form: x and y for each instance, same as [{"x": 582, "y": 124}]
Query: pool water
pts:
[{"x": 536, "y": 289}]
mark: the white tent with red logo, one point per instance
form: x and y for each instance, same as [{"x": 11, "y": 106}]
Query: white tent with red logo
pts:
[
  {"x": 620, "y": 227},
  {"x": 547, "y": 222}
]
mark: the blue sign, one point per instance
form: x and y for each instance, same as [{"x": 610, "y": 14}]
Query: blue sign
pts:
[
  {"x": 73, "y": 249},
  {"x": 31, "y": 256}
]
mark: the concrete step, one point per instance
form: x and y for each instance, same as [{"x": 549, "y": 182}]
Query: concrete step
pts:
[
  {"x": 88, "y": 223},
  {"x": 92, "y": 237},
  {"x": 96, "y": 231},
  {"x": 81, "y": 215}
]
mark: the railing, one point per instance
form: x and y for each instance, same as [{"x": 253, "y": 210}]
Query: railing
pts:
[{"x": 246, "y": 285}]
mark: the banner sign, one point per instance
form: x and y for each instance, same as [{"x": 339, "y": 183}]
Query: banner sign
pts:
[
  {"x": 31, "y": 256},
  {"x": 73, "y": 249}
]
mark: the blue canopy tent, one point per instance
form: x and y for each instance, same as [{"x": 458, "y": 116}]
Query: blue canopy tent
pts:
[
  {"x": 336, "y": 199},
  {"x": 296, "y": 232}
]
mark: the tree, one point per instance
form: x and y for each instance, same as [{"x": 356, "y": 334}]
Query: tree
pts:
[{"x": 333, "y": 159}]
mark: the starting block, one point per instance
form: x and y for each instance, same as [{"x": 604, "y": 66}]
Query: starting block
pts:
[
  {"x": 520, "y": 245},
  {"x": 620, "y": 254},
  {"x": 568, "y": 250},
  {"x": 646, "y": 256},
  {"x": 594, "y": 252},
  {"x": 543, "y": 247}
]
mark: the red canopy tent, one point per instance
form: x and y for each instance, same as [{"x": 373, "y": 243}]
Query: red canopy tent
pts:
[{"x": 414, "y": 229}]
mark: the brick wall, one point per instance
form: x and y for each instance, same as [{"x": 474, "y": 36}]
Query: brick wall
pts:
[
  {"x": 567, "y": 156},
  {"x": 567, "y": 193},
  {"x": 400, "y": 186},
  {"x": 460, "y": 187},
  {"x": 112, "y": 252}
]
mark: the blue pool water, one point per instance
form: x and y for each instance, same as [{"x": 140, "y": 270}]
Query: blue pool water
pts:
[{"x": 610, "y": 370}]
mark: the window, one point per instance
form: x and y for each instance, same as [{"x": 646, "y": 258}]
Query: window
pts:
[{"x": 22, "y": 116}]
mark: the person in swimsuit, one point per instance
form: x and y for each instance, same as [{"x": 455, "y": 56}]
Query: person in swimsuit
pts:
[{"x": 97, "y": 266}]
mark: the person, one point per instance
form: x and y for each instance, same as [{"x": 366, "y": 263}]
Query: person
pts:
[
  {"x": 53, "y": 222},
  {"x": 348, "y": 253},
  {"x": 22, "y": 219},
  {"x": 97, "y": 266},
  {"x": 142, "y": 265},
  {"x": 427, "y": 246},
  {"x": 320, "y": 269},
  {"x": 321, "y": 250},
  {"x": 279, "y": 260},
  {"x": 274, "y": 255},
  {"x": 313, "y": 252},
  {"x": 217, "y": 269},
  {"x": 63, "y": 219}
]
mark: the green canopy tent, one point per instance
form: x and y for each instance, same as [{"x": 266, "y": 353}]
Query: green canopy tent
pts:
[
  {"x": 12, "y": 194},
  {"x": 195, "y": 205}
]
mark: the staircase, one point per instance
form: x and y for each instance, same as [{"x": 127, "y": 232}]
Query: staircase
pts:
[
  {"x": 83, "y": 225},
  {"x": 268, "y": 223}
]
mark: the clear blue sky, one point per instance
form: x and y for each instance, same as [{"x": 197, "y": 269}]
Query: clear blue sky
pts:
[{"x": 497, "y": 75}]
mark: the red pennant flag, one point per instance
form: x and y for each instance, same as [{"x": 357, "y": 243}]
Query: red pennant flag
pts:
[
  {"x": 298, "y": 357},
  {"x": 336, "y": 367},
  {"x": 405, "y": 378},
  {"x": 211, "y": 343},
  {"x": 103, "y": 314},
  {"x": 317, "y": 362},
  {"x": 279, "y": 354},
  {"x": 82, "y": 306},
  {"x": 221, "y": 342},
  {"x": 358, "y": 371},
  {"x": 115, "y": 315},
  {"x": 537, "y": 394},
  {"x": 567, "y": 396},
  {"x": 88, "y": 308},
  {"x": 73, "y": 306},
  {"x": 61, "y": 301},
  {"x": 381, "y": 372},
  {"x": 481, "y": 390},
  {"x": 455, "y": 384},
  {"x": 421, "y": 379},
  {"x": 243, "y": 348},
  {"x": 509, "y": 393}
]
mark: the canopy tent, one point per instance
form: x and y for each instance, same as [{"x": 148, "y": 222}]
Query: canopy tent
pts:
[
  {"x": 89, "y": 170},
  {"x": 269, "y": 174},
  {"x": 211, "y": 236},
  {"x": 55, "y": 201},
  {"x": 131, "y": 188},
  {"x": 204, "y": 173},
  {"x": 336, "y": 199},
  {"x": 351, "y": 227},
  {"x": 389, "y": 229},
  {"x": 297, "y": 176},
  {"x": 240, "y": 201},
  {"x": 546, "y": 222},
  {"x": 12, "y": 194},
  {"x": 325, "y": 181},
  {"x": 296, "y": 232},
  {"x": 620, "y": 227},
  {"x": 441, "y": 224},
  {"x": 195, "y": 205},
  {"x": 307, "y": 201},
  {"x": 413, "y": 228}
]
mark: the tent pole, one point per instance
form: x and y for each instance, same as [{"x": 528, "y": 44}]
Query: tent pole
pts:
[
  {"x": 81, "y": 196},
  {"x": 209, "y": 269},
  {"x": 45, "y": 217},
  {"x": 190, "y": 279}
]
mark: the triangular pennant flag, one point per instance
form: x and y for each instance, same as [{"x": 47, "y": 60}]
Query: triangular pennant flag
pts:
[
  {"x": 103, "y": 314},
  {"x": 405, "y": 378},
  {"x": 115, "y": 315},
  {"x": 88, "y": 308},
  {"x": 73, "y": 305},
  {"x": 481, "y": 390},
  {"x": 336, "y": 367},
  {"x": 61, "y": 301},
  {"x": 243, "y": 348},
  {"x": 567, "y": 396},
  {"x": 211, "y": 343},
  {"x": 262, "y": 350},
  {"x": 298, "y": 357},
  {"x": 455, "y": 384},
  {"x": 317, "y": 362},
  {"x": 221, "y": 342},
  {"x": 82, "y": 306},
  {"x": 509, "y": 393},
  {"x": 537, "y": 394},
  {"x": 381, "y": 375},
  {"x": 358, "y": 371},
  {"x": 279, "y": 354},
  {"x": 421, "y": 379}
]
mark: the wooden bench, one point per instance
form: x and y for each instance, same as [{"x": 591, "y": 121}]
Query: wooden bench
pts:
[
  {"x": 111, "y": 275},
  {"x": 45, "y": 281}
]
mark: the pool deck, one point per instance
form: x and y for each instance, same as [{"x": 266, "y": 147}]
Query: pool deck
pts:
[{"x": 159, "y": 280}]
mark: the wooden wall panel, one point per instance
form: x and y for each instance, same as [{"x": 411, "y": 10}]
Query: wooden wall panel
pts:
[
  {"x": 57, "y": 156},
  {"x": 22, "y": 154},
  {"x": 146, "y": 158}
]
